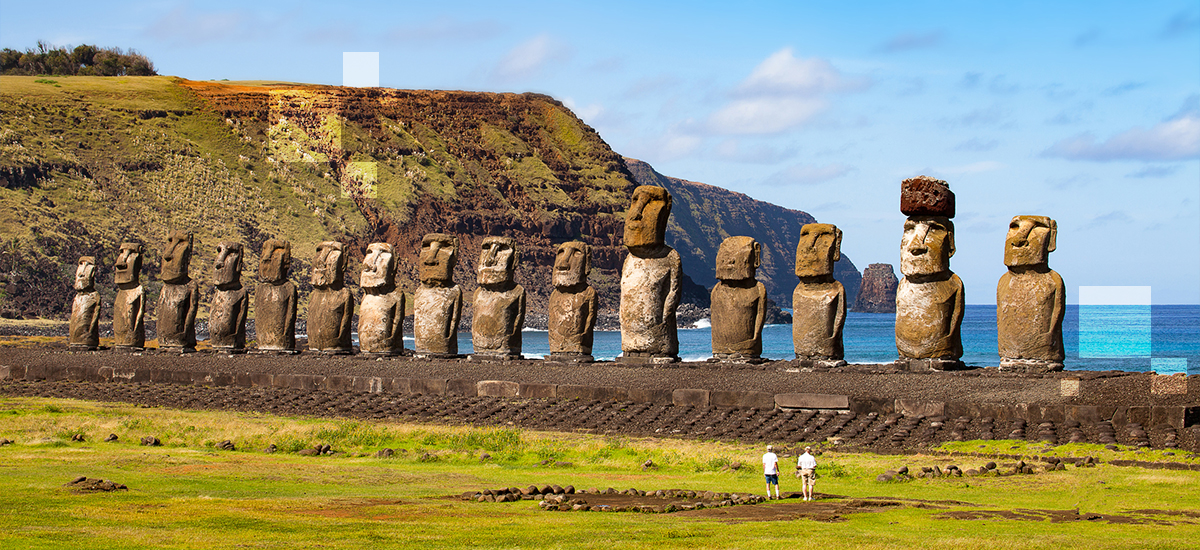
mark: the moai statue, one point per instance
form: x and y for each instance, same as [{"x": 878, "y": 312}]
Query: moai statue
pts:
[
  {"x": 498, "y": 303},
  {"x": 275, "y": 299},
  {"x": 572, "y": 305},
  {"x": 1030, "y": 299},
  {"x": 230, "y": 303},
  {"x": 739, "y": 302},
  {"x": 650, "y": 281},
  {"x": 381, "y": 315},
  {"x": 929, "y": 299},
  {"x": 331, "y": 305},
  {"x": 819, "y": 301},
  {"x": 180, "y": 296},
  {"x": 437, "y": 303},
  {"x": 85, "y": 308},
  {"x": 129, "y": 307}
]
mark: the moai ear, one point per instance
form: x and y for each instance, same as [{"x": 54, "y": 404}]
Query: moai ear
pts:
[
  {"x": 1050, "y": 246},
  {"x": 757, "y": 254},
  {"x": 837, "y": 244},
  {"x": 587, "y": 259},
  {"x": 950, "y": 241}
]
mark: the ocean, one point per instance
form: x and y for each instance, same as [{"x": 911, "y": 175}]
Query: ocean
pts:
[{"x": 1165, "y": 339}]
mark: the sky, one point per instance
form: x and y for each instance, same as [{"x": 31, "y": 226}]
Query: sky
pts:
[{"x": 1087, "y": 112}]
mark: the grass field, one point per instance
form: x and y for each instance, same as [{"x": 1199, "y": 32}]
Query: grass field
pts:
[{"x": 188, "y": 494}]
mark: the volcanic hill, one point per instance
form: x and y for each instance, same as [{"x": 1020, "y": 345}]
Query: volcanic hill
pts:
[{"x": 89, "y": 162}]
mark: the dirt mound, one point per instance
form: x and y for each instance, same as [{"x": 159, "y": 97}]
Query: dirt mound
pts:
[{"x": 83, "y": 484}]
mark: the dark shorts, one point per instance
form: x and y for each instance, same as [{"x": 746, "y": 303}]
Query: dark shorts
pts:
[{"x": 772, "y": 479}]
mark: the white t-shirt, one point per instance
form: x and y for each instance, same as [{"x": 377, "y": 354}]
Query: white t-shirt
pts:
[
  {"x": 806, "y": 462},
  {"x": 770, "y": 464}
]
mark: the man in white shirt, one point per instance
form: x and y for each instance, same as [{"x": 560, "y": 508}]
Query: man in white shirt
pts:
[
  {"x": 807, "y": 466},
  {"x": 771, "y": 470}
]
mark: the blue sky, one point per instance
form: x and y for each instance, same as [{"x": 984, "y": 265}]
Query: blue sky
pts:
[{"x": 1088, "y": 112}]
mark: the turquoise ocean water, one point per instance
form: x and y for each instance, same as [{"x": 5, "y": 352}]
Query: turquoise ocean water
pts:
[{"x": 1165, "y": 339}]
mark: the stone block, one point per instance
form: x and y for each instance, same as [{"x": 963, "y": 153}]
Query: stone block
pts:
[
  {"x": 1140, "y": 415},
  {"x": 133, "y": 376},
  {"x": 497, "y": 388},
  {"x": 694, "y": 398},
  {"x": 261, "y": 379},
  {"x": 338, "y": 383},
  {"x": 1046, "y": 413},
  {"x": 1171, "y": 416},
  {"x": 926, "y": 196},
  {"x": 913, "y": 407},
  {"x": 428, "y": 386},
  {"x": 397, "y": 385},
  {"x": 1083, "y": 414},
  {"x": 461, "y": 387},
  {"x": 593, "y": 393},
  {"x": 650, "y": 396},
  {"x": 1191, "y": 416},
  {"x": 537, "y": 391},
  {"x": 10, "y": 372},
  {"x": 863, "y": 406},
  {"x": 742, "y": 399},
  {"x": 812, "y": 401},
  {"x": 105, "y": 374},
  {"x": 281, "y": 380},
  {"x": 45, "y": 372}
]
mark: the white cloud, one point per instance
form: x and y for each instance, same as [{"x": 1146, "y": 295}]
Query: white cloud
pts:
[
  {"x": 1177, "y": 138},
  {"x": 528, "y": 58},
  {"x": 911, "y": 41},
  {"x": 809, "y": 174},
  {"x": 755, "y": 153},
  {"x": 589, "y": 113},
  {"x": 784, "y": 74},
  {"x": 766, "y": 115}
]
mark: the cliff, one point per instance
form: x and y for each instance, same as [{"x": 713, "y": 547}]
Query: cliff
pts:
[{"x": 878, "y": 291}]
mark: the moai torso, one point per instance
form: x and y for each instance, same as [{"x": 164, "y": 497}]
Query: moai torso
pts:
[
  {"x": 437, "y": 302},
  {"x": 231, "y": 301},
  {"x": 572, "y": 310},
  {"x": 499, "y": 303},
  {"x": 929, "y": 298},
  {"x": 929, "y": 318},
  {"x": 650, "y": 281},
  {"x": 331, "y": 305},
  {"x": 129, "y": 306},
  {"x": 275, "y": 299},
  {"x": 738, "y": 301},
  {"x": 1030, "y": 298},
  {"x": 819, "y": 301},
  {"x": 85, "y": 308},
  {"x": 179, "y": 299},
  {"x": 381, "y": 314}
]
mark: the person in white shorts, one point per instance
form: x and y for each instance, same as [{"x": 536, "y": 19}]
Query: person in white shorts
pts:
[
  {"x": 771, "y": 470},
  {"x": 806, "y": 467}
]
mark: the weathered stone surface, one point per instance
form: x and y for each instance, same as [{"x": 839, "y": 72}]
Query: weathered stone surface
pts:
[
  {"x": 85, "y": 308},
  {"x": 650, "y": 280},
  {"x": 572, "y": 311},
  {"x": 811, "y": 401},
  {"x": 437, "y": 303},
  {"x": 929, "y": 299},
  {"x": 592, "y": 393},
  {"x": 926, "y": 196},
  {"x": 231, "y": 300},
  {"x": 381, "y": 315},
  {"x": 1030, "y": 299},
  {"x": 878, "y": 291},
  {"x": 428, "y": 386},
  {"x": 742, "y": 399},
  {"x": 179, "y": 299},
  {"x": 129, "y": 306},
  {"x": 913, "y": 407},
  {"x": 537, "y": 391},
  {"x": 819, "y": 301},
  {"x": 275, "y": 299},
  {"x": 497, "y": 388},
  {"x": 331, "y": 305},
  {"x": 498, "y": 302},
  {"x": 690, "y": 397},
  {"x": 739, "y": 301}
]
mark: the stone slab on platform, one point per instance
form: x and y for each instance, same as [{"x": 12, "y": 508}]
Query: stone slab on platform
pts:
[
  {"x": 458, "y": 386},
  {"x": 742, "y": 399},
  {"x": 497, "y": 388},
  {"x": 913, "y": 407},
  {"x": 694, "y": 398},
  {"x": 642, "y": 395},
  {"x": 593, "y": 393},
  {"x": 537, "y": 391},
  {"x": 428, "y": 386},
  {"x": 811, "y": 401}
]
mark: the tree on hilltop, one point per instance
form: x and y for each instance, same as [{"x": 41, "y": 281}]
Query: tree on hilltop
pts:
[{"x": 83, "y": 60}]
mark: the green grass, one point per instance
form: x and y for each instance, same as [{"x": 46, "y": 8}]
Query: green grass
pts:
[{"x": 187, "y": 494}]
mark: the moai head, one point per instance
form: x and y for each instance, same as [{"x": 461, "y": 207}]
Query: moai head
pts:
[
  {"x": 927, "y": 245},
  {"x": 1030, "y": 241},
  {"x": 820, "y": 246},
  {"x": 177, "y": 254},
  {"x": 738, "y": 259},
  {"x": 646, "y": 220},
  {"x": 572, "y": 263},
  {"x": 85, "y": 274},
  {"x": 275, "y": 262},
  {"x": 329, "y": 265},
  {"x": 497, "y": 260},
  {"x": 439, "y": 253},
  {"x": 128, "y": 268},
  {"x": 227, "y": 269},
  {"x": 379, "y": 266}
]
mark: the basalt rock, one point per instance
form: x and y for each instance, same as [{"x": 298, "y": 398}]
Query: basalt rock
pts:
[{"x": 85, "y": 308}]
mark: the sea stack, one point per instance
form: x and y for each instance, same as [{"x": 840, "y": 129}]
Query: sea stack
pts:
[{"x": 878, "y": 291}]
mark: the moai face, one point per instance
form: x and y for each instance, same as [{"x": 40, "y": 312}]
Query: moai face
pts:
[
  {"x": 497, "y": 260},
  {"x": 177, "y": 254},
  {"x": 646, "y": 220},
  {"x": 329, "y": 265},
  {"x": 128, "y": 268},
  {"x": 85, "y": 274},
  {"x": 1030, "y": 241},
  {"x": 439, "y": 254},
  {"x": 927, "y": 245},
  {"x": 572, "y": 263},
  {"x": 276, "y": 261},
  {"x": 738, "y": 259},
  {"x": 379, "y": 266},
  {"x": 819, "y": 248},
  {"x": 227, "y": 269}
]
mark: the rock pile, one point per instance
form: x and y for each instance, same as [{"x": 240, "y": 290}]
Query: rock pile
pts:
[
  {"x": 85, "y": 485},
  {"x": 151, "y": 441}
]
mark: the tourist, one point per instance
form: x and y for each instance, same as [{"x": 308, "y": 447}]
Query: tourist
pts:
[
  {"x": 771, "y": 470},
  {"x": 806, "y": 467}
]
